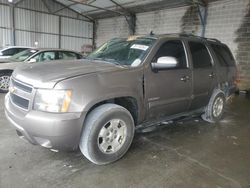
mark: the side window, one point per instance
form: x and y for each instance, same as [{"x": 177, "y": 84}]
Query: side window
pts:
[
  {"x": 223, "y": 55},
  {"x": 45, "y": 56},
  {"x": 67, "y": 55},
  {"x": 173, "y": 49},
  {"x": 9, "y": 52},
  {"x": 200, "y": 55},
  {"x": 21, "y": 49}
]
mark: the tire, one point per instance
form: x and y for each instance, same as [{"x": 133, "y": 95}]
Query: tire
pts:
[
  {"x": 105, "y": 127},
  {"x": 4, "y": 81},
  {"x": 215, "y": 108}
]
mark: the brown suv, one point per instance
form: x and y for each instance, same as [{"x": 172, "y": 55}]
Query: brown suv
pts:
[{"x": 98, "y": 102}]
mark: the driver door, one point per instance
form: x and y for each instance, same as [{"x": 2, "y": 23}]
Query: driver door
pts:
[{"x": 168, "y": 91}]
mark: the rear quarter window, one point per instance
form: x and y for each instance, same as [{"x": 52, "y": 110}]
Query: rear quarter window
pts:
[
  {"x": 200, "y": 55},
  {"x": 223, "y": 54}
]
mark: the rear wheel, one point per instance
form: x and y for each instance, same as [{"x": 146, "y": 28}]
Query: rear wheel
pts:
[
  {"x": 215, "y": 108},
  {"x": 4, "y": 81},
  {"x": 107, "y": 134}
]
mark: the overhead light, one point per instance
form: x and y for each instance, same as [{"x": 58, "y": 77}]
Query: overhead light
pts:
[{"x": 10, "y": 1}]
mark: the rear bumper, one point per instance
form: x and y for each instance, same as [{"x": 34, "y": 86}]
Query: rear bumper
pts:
[{"x": 51, "y": 130}]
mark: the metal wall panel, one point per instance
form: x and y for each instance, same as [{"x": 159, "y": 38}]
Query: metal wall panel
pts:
[
  {"x": 5, "y": 37},
  {"x": 29, "y": 38},
  {"x": 73, "y": 43},
  {"x": 35, "y": 21},
  {"x": 78, "y": 28},
  {"x": 5, "y": 16}
]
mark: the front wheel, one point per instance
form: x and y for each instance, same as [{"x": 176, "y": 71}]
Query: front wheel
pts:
[
  {"x": 107, "y": 134},
  {"x": 4, "y": 81},
  {"x": 215, "y": 108}
]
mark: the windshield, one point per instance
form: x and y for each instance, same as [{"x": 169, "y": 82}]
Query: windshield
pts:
[
  {"x": 22, "y": 56},
  {"x": 123, "y": 51}
]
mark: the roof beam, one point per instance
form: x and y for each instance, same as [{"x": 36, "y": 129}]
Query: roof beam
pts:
[
  {"x": 47, "y": 6},
  {"x": 85, "y": 16},
  {"x": 122, "y": 7},
  {"x": 18, "y": 1},
  {"x": 66, "y": 6},
  {"x": 100, "y": 8}
]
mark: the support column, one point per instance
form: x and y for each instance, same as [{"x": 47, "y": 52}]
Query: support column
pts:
[
  {"x": 131, "y": 19},
  {"x": 60, "y": 32},
  {"x": 94, "y": 34},
  {"x": 203, "y": 18},
  {"x": 13, "y": 27}
]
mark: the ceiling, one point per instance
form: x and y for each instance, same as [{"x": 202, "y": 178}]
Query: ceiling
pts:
[{"x": 97, "y": 9}]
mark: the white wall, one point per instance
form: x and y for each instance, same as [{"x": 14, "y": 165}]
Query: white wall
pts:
[{"x": 111, "y": 28}]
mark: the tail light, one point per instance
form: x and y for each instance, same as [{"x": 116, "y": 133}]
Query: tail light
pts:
[{"x": 237, "y": 78}]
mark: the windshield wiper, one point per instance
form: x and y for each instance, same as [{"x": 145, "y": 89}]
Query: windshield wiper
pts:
[{"x": 113, "y": 61}]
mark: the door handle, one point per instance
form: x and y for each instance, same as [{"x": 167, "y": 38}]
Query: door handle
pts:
[
  {"x": 211, "y": 75},
  {"x": 185, "y": 78}
]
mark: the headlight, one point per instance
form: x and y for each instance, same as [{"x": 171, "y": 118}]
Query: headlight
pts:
[{"x": 52, "y": 100}]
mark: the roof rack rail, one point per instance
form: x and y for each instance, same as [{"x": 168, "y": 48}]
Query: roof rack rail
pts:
[
  {"x": 192, "y": 35},
  {"x": 213, "y": 39}
]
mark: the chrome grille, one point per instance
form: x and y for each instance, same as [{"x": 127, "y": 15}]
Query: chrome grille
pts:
[
  {"x": 19, "y": 101},
  {"x": 20, "y": 94},
  {"x": 21, "y": 86}
]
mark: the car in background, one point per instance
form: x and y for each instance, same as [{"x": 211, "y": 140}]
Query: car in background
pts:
[
  {"x": 11, "y": 50},
  {"x": 31, "y": 56}
]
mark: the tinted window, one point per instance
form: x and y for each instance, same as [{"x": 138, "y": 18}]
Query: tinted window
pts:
[
  {"x": 173, "y": 49},
  {"x": 21, "y": 49},
  {"x": 200, "y": 55},
  {"x": 45, "y": 56},
  {"x": 9, "y": 52},
  {"x": 223, "y": 55}
]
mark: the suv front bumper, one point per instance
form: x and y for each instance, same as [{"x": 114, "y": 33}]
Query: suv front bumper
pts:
[{"x": 58, "y": 131}]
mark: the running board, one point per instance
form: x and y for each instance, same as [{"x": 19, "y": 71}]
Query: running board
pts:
[{"x": 153, "y": 125}]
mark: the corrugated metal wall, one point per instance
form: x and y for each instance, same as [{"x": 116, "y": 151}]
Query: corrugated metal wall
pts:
[
  {"x": 5, "y": 26},
  {"x": 35, "y": 23}
]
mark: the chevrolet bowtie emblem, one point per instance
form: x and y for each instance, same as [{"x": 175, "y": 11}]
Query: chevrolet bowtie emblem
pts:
[{"x": 12, "y": 89}]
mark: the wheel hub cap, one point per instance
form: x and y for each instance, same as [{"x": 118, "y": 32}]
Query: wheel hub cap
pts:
[
  {"x": 4, "y": 82},
  {"x": 112, "y": 136},
  {"x": 218, "y": 107}
]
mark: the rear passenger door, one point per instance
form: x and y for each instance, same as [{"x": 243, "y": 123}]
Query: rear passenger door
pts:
[{"x": 203, "y": 74}]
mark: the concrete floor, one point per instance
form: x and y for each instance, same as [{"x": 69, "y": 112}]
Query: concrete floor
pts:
[{"x": 191, "y": 154}]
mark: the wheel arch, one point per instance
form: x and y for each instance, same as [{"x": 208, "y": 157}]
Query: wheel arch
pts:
[{"x": 128, "y": 102}]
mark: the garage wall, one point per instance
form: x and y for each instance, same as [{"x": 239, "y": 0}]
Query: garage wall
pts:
[
  {"x": 227, "y": 20},
  {"x": 174, "y": 20},
  {"x": 160, "y": 22},
  {"x": 35, "y": 22},
  {"x": 110, "y": 28}
]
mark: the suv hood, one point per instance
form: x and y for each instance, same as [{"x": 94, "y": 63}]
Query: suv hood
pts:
[{"x": 47, "y": 74}]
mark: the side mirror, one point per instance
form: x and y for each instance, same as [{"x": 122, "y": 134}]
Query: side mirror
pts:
[
  {"x": 32, "y": 60},
  {"x": 165, "y": 63}
]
